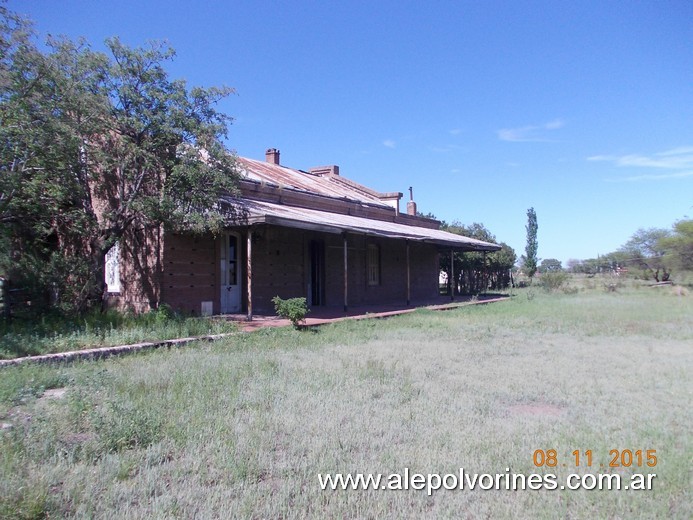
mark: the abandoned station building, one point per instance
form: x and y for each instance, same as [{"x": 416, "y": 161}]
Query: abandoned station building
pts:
[{"x": 312, "y": 234}]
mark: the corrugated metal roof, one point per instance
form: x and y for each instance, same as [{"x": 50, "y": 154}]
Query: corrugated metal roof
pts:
[
  {"x": 329, "y": 185},
  {"x": 256, "y": 212}
]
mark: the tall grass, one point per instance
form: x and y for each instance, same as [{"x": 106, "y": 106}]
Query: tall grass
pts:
[
  {"x": 57, "y": 333},
  {"x": 241, "y": 428}
]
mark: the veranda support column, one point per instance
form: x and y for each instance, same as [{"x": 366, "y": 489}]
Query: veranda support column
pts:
[
  {"x": 346, "y": 274},
  {"x": 408, "y": 276},
  {"x": 249, "y": 271},
  {"x": 485, "y": 275},
  {"x": 452, "y": 275}
]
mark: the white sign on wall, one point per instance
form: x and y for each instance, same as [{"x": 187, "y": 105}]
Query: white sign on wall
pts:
[{"x": 112, "y": 270}]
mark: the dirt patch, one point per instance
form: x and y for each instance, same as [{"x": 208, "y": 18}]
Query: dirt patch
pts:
[
  {"x": 678, "y": 290},
  {"x": 76, "y": 439},
  {"x": 536, "y": 409},
  {"x": 54, "y": 393}
]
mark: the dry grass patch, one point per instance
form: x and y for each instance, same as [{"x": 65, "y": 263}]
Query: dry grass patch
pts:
[{"x": 242, "y": 428}]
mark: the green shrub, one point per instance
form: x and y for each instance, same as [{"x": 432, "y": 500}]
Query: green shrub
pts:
[
  {"x": 164, "y": 313},
  {"x": 292, "y": 309},
  {"x": 553, "y": 280}
]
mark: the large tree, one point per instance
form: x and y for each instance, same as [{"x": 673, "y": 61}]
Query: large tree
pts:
[
  {"x": 646, "y": 250},
  {"x": 655, "y": 252},
  {"x": 94, "y": 145},
  {"x": 679, "y": 245},
  {"x": 550, "y": 265},
  {"x": 659, "y": 251},
  {"x": 40, "y": 211}
]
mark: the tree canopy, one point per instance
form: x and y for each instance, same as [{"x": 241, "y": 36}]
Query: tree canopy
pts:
[
  {"x": 678, "y": 245},
  {"x": 93, "y": 145},
  {"x": 549, "y": 265}
]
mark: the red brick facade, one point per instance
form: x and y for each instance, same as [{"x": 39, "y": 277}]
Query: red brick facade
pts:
[
  {"x": 295, "y": 259},
  {"x": 282, "y": 266},
  {"x": 190, "y": 271}
]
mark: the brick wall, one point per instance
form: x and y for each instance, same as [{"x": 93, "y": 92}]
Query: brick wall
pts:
[
  {"x": 190, "y": 272},
  {"x": 279, "y": 266},
  {"x": 282, "y": 266},
  {"x": 140, "y": 270},
  {"x": 425, "y": 267}
]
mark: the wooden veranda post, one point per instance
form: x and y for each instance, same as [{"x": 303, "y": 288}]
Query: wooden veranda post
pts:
[
  {"x": 408, "y": 275},
  {"x": 249, "y": 274},
  {"x": 452, "y": 274},
  {"x": 346, "y": 274}
]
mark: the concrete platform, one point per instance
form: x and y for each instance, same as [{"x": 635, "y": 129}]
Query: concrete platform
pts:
[{"x": 323, "y": 315}]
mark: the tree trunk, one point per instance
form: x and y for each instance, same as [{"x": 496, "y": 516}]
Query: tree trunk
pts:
[{"x": 94, "y": 293}]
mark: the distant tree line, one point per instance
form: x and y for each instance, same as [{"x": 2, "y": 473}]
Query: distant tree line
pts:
[{"x": 652, "y": 254}]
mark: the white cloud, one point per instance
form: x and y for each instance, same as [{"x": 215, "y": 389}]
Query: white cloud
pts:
[
  {"x": 455, "y": 131},
  {"x": 675, "y": 159},
  {"x": 654, "y": 177},
  {"x": 530, "y": 133},
  {"x": 389, "y": 143}
]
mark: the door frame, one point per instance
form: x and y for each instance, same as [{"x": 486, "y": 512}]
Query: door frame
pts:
[
  {"x": 316, "y": 268},
  {"x": 225, "y": 300}
]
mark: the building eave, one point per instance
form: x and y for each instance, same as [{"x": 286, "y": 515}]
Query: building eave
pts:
[{"x": 263, "y": 212}]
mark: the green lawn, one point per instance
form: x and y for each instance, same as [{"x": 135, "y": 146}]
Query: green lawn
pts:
[
  {"x": 31, "y": 336},
  {"x": 242, "y": 427}
]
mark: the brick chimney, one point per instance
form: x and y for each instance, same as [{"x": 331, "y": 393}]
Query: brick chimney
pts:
[
  {"x": 272, "y": 156},
  {"x": 411, "y": 205},
  {"x": 332, "y": 169}
]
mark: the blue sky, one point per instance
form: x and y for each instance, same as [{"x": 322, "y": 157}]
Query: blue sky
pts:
[{"x": 582, "y": 110}]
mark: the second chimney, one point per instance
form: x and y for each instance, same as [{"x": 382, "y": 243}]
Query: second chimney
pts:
[
  {"x": 411, "y": 205},
  {"x": 272, "y": 156},
  {"x": 332, "y": 169}
]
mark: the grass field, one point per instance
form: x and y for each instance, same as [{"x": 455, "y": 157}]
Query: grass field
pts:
[
  {"x": 31, "y": 336},
  {"x": 241, "y": 428}
]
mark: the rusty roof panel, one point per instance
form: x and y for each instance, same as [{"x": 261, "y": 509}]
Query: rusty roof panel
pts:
[{"x": 328, "y": 185}]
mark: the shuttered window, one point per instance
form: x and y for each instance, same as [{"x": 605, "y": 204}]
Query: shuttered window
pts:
[{"x": 373, "y": 266}]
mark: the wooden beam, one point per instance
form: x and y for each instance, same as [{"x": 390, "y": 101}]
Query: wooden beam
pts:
[
  {"x": 452, "y": 275},
  {"x": 408, "y": 275},
  {"x": 346, "y": 274},
  {"x": 249, "y": 273}
]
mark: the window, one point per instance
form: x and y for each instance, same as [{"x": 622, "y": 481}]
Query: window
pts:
[
  {"x": 233, "y": 261},
  {"x": 373, "y": 265},
  {"x": 112, "y": 269}
]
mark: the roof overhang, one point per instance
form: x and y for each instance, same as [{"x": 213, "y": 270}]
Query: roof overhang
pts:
[{"x": 260, "y": 212}]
